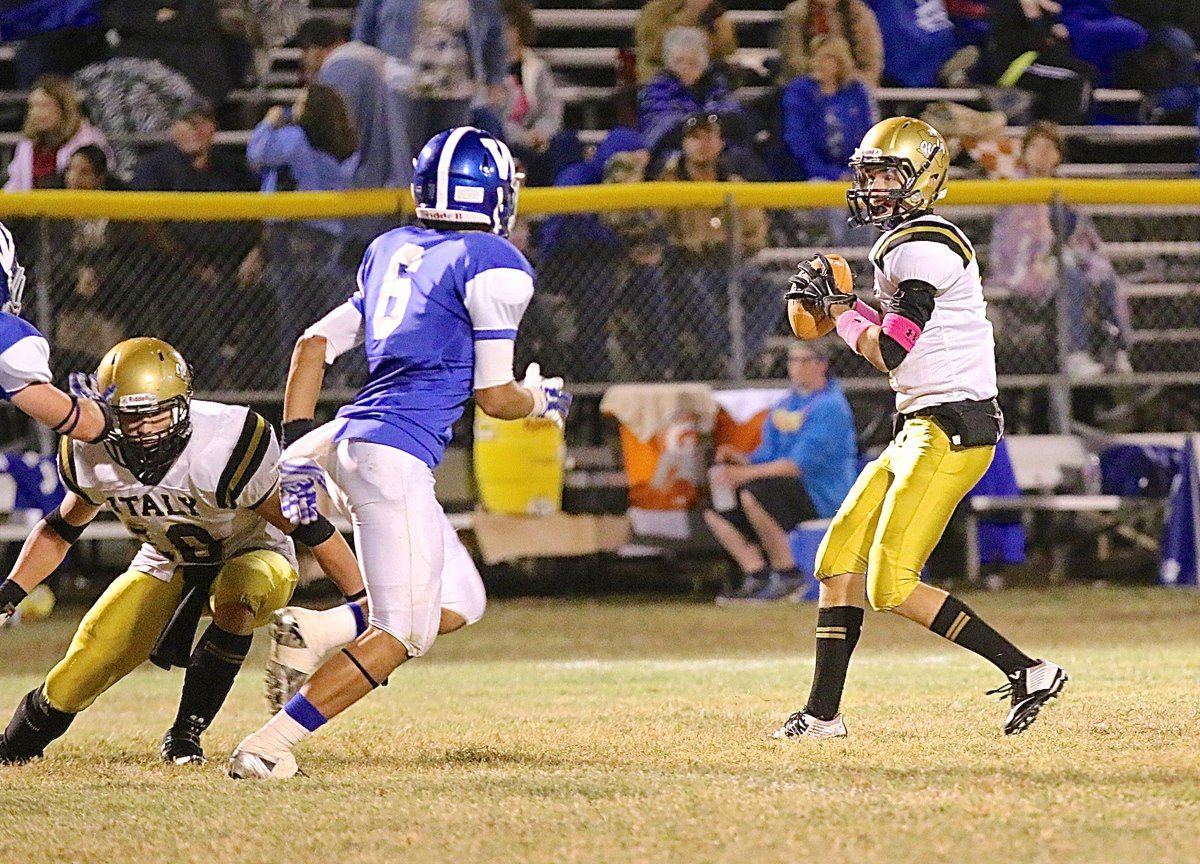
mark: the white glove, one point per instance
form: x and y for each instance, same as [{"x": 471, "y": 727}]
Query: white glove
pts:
[
  {"x": 550, "y": 400},
  {"x": 298, "y": 482}
]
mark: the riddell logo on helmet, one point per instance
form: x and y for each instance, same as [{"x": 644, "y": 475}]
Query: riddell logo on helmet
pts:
[{"x": 137, "y": 400}]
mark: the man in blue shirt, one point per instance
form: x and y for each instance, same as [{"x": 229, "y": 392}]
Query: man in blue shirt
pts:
[{"x": 802, "y": 470}]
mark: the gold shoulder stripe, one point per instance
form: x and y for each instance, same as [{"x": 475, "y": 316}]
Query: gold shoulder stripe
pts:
[
  {"x": 66, "y": 469},
  {"x": 944, "y": 235},
  {"x": 249, "y": 444}
]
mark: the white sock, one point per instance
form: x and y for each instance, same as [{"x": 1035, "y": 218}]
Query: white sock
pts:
[
  {"x": 333, "y": 628},
  {"x": 280, "y": 735}
]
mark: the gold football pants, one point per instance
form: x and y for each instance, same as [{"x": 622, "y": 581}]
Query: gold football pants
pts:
[
  {"x": 118, "y": 633},
  {"x": 897, "y": 509}
]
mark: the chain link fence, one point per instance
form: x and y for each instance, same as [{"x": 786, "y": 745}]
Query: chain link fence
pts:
[{"x": 1077, "y": 295}]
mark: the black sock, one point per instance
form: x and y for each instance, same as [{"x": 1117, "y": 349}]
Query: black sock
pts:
[
  {"x": 214, "y": 664},
  {"x": 34, "y": 725},
  {"x": 838, "y": 629},
  {"x": 957, "y": 622}
]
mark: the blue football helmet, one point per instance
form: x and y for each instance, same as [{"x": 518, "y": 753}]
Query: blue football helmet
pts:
[
  {"x": 12, "y": 274},
  {"x": 468, "y": 176}
]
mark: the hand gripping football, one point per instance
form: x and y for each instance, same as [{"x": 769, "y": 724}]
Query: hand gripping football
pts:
[{"x": 808, "y": 317}]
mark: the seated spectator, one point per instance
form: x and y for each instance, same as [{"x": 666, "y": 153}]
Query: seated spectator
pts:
[
  {"x": 54, "y": 129},
  {"x": 1165, "y": 68},
  {"x": 1100, "y": 37},
  {"x": 699, "y": 260},
  {"x": 918, "y": 40},
  {"x": 688, "y": 85},
  {"x": 208, "y": 268},
  {"x": 853, "y": 20},
  {"x": 1030, "y": 49},
  {"x": 52, "y": 38},
  {"x": 533, "y": 110},
  {"x": 576, "y": 255},
  {"x": 802, "y": 470},
  {"x": 315, "y": 142},
  {"x": 183, "y": 34},
  {"x": 1023, "y": 247},
  {"x": 645, "y": 332},
  {"x": 128, "y": 96},
  {"x": 455, "y": 50},
  {"x": 658, "y": 17},
  {"x": 970, "y": 20},
  {"x": 88, "y": 268},
  {"x": 826, "y": 113}
]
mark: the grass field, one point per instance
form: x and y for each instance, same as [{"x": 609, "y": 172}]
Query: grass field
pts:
[{"x": 636, "y": 731}]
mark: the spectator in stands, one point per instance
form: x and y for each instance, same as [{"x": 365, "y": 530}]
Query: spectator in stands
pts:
[
  {"x": 702, "y": 262},
  {"x": 644, "y": 324},
  {"x": 455, "y": 49},
  {"x": 54, "y": 129},
  {"x": 182, "y": 34},
  {"x": 371, "y": 84},
  {"x": 316, "y": 144},
  {"x": 1165, "y": 68},
  {"x": 1030, "y": 49},
  {"x": 1023, "y": 248},
  {"x": 54, "y": 38},
  {"x": 852, "y": 20},
  {"x": 533, "y": 109},
  {"x": 576, "y": 255},
  {"x": 251, "y": 28},
  {"x": 918, "y": 40},
  {"x": 127, "y": 97},
  {"x": 658, "y": 17},
  {"x": 88, "y": 268},
  {"x": 207, "y": 268},
  {"x": 802, "y": 470},
  {"x": 826, "y": 113},
  {"x": 1100, "y": 37},
  {"x": 688, "y": 85}
]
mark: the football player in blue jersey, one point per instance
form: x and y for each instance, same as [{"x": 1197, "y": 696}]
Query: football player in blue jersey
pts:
[
  {"x": 437, "y": 310},
  {"x": 25, "y": 363}
]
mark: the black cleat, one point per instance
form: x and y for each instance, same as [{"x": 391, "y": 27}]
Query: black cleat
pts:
[
  {"x": 1029, "y": 690},
  {"x": 181, "y": 745}
]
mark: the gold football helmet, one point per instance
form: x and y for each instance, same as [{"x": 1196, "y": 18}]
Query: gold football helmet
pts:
[
  {"x": 140, "y": 379},
  {"x": 900, "y": 170}
]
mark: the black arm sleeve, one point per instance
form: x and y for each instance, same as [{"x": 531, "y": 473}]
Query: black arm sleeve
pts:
[
  {"x": 60, "y": 526},
  {"x": 314, "y": 533},
  {"x": 914, "y": 301}
]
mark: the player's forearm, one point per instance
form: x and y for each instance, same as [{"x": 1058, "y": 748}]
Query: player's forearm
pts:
[
  {"x": 40, "y": 556},
  {"x": 508, "y": 401},
  {"x": 868, "y": 347},
  {"x": 305, "y": 376},
  {"x": 339, "y": 564},
  {"x": 81, "y": 419}
]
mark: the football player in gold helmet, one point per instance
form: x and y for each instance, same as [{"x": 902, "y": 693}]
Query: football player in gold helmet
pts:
[
  {"x": 196, "y": 482},
  {"x": 933, "y": 340}
]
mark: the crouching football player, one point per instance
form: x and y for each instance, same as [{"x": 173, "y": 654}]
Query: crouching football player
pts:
[{"x": 196, "y": 482}]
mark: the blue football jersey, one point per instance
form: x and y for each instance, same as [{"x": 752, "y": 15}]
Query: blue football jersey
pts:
[
  {"x": 24, "y": 355},
  {"x": 426, "y": 297}
]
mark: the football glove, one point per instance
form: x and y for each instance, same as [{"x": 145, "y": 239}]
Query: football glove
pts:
[
  {"x": 298, "y": 483},
  {"x": 83, "y": 386},
  {"x": 814, "y": 283},
  {"x": 550, "y": 400},
  {"x": 11, "y": 595}
]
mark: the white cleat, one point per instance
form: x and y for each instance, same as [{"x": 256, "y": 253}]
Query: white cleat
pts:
[
  {"x": 1028, "y": 690},
  {"x": 292, "y": 658},
  {"x": 802, "y": 725},
  {"x": 245, "y": 764}
]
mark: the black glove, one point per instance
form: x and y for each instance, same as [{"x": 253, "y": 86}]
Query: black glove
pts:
[
  {"x": 11, "y": 594},
  {"x": 815, "y": 285},
  {"x": 294, "y": 430}
]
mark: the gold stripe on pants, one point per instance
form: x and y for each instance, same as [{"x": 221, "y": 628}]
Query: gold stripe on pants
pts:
[{"x": 897, "y": 510}]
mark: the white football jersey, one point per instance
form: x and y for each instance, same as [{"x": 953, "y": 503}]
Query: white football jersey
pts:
[
  {"x": 955, "y": 356},
  {"x": 200, "y": 512}
]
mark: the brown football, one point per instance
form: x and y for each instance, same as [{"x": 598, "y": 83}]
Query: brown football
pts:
[{"x": 812, "y": 323}]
